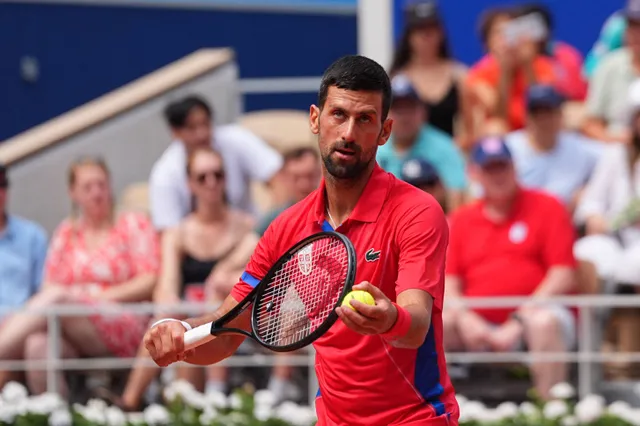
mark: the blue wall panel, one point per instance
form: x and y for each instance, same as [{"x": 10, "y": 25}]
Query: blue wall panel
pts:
[{"x": 85, "y": 51}]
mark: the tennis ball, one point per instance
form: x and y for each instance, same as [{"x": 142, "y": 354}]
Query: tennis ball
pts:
[{"x": 359, "y": 295}]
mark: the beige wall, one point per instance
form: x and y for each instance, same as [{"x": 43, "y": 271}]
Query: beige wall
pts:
[{"x": 130, "y": 143}]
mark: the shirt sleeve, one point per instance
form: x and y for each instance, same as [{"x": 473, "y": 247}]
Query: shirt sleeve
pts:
[
  {"x": 422, "y": 244},
  {"x": 454, "y": 265},
  {"x": 166, "y": 206},
  {"x": 39, "y": 251},
  {"x": 597, "y": 94},
  {"x": 57, "y": 268},
  {"x": 263, "y": 257},
  {"x": 259, "y": 160},
  {"x": 559, "y": 238},
  {"x": 144, "y": 244}
]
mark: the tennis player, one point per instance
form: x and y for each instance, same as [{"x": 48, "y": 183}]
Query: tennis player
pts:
[{"x": 378, "y": 365}]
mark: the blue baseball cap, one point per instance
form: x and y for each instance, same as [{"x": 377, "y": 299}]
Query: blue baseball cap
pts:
[
  {"x": 543, "y": 96},
  {"x": 421, "y": 12},
  {"x": 632, "y": 10},
  {"x": 490, "y": 149},
  {"x": 419, "y": 172},
  {"x": 402, "y": 88}
]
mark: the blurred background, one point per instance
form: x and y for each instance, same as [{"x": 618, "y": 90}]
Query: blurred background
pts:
[{"x": 146, "y": 145}]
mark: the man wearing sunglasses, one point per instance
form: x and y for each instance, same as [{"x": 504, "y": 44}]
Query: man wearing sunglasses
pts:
[{"x": 23, "y": 248}]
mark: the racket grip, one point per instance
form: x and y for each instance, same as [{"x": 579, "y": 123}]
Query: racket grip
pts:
[{"x": 197, "y": 336}]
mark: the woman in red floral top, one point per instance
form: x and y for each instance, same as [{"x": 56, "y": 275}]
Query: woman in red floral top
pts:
[{"x": 95, "y": 257}]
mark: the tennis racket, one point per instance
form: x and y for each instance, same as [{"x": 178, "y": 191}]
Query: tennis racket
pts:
[{"x": 294, "y": 304}]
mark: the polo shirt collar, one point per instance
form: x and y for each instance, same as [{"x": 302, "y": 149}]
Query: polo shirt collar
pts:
[{"x": 369, "y": 204}]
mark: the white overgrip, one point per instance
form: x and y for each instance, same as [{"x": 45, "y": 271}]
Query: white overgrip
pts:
[{"x": 197, "y": 336}]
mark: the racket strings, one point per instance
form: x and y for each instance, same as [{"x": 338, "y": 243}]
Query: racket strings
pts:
[{"x": 303, "y": 293}]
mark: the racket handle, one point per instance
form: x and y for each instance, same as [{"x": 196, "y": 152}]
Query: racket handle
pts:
[{"x": 197, "y": 336}]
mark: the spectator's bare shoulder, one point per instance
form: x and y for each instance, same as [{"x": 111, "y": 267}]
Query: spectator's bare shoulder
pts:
[{"x": 242, "y": 221}]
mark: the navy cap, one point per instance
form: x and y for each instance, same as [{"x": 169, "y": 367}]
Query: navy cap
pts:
[
  {"x": 402, "y": 88},
  {"x": 419, "y": 172},
  {"x": 420, "y": 12},
  {"x": 4, "y": 178},
  {"x": 490, "y": 149},
  {"x": 543, "y": 96},
  {"x": 632, "y": 10}
]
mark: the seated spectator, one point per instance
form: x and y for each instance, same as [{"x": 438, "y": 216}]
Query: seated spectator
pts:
[
  {"x": 301, "y": 173},
  {"x": 611, "y": 38},
  {"x": 213, "y": 239},
  {"x": 246, "y": 158},
  {"x": 23, "y": 248},
  {"x": 497, "y": 84},
  {"x": 513, "y": 242},
  {"x": 424, "y": 176},
  {"x": 609, "y": 207},
  {"x": 545, "y": 156},
  {"x": 411, "y": 138},
  {"x": 608, "y": 88},
  {"x": 94, "y": 259},
  {"x": 567, "y": 60},
  {"x": 423, "y": 55}
]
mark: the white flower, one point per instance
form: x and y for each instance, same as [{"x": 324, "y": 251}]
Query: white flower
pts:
[
  {"x": 305, "y": 416},
  {"x": 235, "y": 401},
  {"x": 265, "y": 398},
  {"x": 178, "y": 388},
  {"x": 208, "y": 416},
  {"x": 135, "y": 418},
  {"x": 195, "y": 399},
  {"x": 8, "y": 413},
  {"x": 115, "y": 417},
  {"x": 507, "y": 410},
  {"x": 555, "y": 409},
  {"x": 262, "y": 412},
  {"x": 92, "y": 414},
  {"x": 529, "y": 410},
  {"x": 45, "y": 403},
  {"x": 216, "y": 399},
  {"x": 619, "y": 408},
  {"x": 61, "y": 417},
  {"x": 156, "y": 414},
  {"x": 97, "y": 404},
  {"x": 562, "y": 391},
  {"x": 590, "y": 409},
  {"x": 570, "y": 421},
  {"x": 461, "y": 399},
  {"x": 287, "y": 411},
  {"x": 14, "y": 392},
  {"x": 473, "y": 411}
]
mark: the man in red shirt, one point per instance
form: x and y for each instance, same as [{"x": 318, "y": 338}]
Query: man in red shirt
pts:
[
  {"x": 368, "y": 374},
  {"x": 513, "y": 242}
]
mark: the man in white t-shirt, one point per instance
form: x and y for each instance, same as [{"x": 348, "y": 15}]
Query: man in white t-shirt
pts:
[{"x": 246, "y": 158}]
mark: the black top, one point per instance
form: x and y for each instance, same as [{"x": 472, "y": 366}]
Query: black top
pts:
[{"x": 442, "y": 113}]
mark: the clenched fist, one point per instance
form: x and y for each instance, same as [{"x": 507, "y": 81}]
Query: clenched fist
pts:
[{"x": 165, "y": 343}]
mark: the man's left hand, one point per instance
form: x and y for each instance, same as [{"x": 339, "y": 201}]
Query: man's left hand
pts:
[{"x": 368, "y": 319}]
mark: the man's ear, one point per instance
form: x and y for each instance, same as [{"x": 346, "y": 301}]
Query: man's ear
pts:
[
  {"x": 314, "y": 119},
  {"x": 385, "y": 134}
]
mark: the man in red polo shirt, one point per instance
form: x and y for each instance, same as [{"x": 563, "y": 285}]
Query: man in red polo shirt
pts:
[
  {"x": 370, "y": 372},
  {"x": 513, "y": 242}
]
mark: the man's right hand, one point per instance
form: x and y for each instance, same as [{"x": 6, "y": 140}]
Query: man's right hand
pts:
[
  {"x": 474, "y": 331},
  {"x": 165, "y": 343}
]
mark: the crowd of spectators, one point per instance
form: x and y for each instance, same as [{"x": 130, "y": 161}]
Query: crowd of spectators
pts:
[{"x": 532, "y": 203}]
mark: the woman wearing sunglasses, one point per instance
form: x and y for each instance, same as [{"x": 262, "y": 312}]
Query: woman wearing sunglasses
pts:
[{"x": 202, "y": 258}]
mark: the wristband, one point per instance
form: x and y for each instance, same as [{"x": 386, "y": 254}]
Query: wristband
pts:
[
  {"x": 402, "y": 325},
  {"x": 184, "y": 323}
]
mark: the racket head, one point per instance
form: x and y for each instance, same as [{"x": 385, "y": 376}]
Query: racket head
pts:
[{"x": 295, "y": 302}]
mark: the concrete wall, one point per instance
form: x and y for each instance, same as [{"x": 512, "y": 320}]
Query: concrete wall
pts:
[{"x": 130, "y": 143}]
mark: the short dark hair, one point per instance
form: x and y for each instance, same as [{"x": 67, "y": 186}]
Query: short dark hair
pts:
[
  {"x": 357, "y": 73},
  {"x": 298, "y": 153},
  {"x": 176, "y": 113},
  {"x": 488, "y": 18}
]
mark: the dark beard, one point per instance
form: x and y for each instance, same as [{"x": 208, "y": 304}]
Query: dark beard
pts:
[{"x": 343, "y": 171}]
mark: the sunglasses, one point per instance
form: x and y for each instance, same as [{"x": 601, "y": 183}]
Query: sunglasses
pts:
[{"x": 217, "y": 175}]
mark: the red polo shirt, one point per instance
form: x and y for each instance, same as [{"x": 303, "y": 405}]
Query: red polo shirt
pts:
[
  {"x": 363, "y": 379},
  {"x": 509, "y": 258}
]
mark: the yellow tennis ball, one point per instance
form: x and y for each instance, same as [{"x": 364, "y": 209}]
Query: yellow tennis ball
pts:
[{"x": 359, "y": 295}]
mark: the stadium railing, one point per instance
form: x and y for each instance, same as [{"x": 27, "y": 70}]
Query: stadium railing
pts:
[{"x": 587, "y": 355}]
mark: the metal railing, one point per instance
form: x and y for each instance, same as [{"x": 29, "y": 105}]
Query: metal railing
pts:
[{"x": 586, "y": 356}]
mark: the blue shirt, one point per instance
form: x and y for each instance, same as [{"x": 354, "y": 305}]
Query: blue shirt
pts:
[
  {"x": 431, "y": 145},
  {"x": 562, "y": 171},
  {"x": 23, "y": 250}
]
